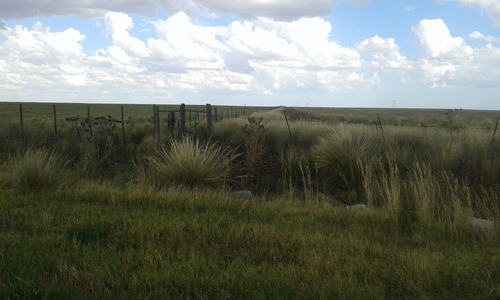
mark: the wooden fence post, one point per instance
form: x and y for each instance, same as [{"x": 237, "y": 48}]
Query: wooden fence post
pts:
[
  {"x": 381, "y": 128},
  {"x": 286, "y": 120},
  {"x": 183, "y": 119},
  {"x": 88, "y": 120},
  {"x": 171, "y": 124},
  {"x": 123, "y": 128},
  {"x": 156, "y": 121},
  {"x": 21, "y": 117},
  {"x": 494, "y": 131},
  {"x": 55, "y": 121},
  {"x": 209, "y": 121}
]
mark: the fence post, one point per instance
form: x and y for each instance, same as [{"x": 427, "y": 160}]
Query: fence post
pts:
[
  {"x": 55, "y": 121},
  {"x": 183, "y": 119},
  {"x": 123, "y": 129},
  {"x": 495, "y": 131},
  {"x": 88, "y": 120},
  {"x": 156, "y": 121},
  {"x": 381, "y": 128},
  {"x": 209, "y": 121},
  {"x": 21, "y": 117},
  {"x": 286, "y": 119},
  {"x": 171, "y": 124}
]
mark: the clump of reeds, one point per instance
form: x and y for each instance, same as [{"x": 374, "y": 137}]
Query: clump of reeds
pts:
[{"x": 192, "y": 163}]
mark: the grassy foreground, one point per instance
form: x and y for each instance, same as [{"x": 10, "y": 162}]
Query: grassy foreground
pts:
[
  {"x": 88, "y": 214},
  {"x": 98, "y": 241}
]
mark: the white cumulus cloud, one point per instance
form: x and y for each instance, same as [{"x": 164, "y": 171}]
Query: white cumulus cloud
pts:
[
  {"x": 437, "y": 41},
  {"x": 491, "y": 7},
  {"x": 449, "y": 61},
  {"x": 476, "y": 35},
  {"x": 385, "y": 53},
  {"x": 118, "y": 25}
]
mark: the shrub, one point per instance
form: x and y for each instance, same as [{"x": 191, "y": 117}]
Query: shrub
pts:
[
  {"x": 37, "y": 170},
  {"x": 192, "y": 163}
]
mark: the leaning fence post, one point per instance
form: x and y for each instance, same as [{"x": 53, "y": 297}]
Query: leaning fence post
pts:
[
  {"x": 55, "y": 121},
  {"x": 288, "y": 125},
  {"x": 381, "y": 128},
  {"x": 494, "y": 131},
  {"x": 209, "y": 121},
  {"x": 182, "y": 116},
  {"x": 156, "y": 121},
  {"x": 21, "y": 117}
]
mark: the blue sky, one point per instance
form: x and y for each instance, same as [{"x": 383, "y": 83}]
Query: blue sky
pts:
[{"x": 345, "y": 53}]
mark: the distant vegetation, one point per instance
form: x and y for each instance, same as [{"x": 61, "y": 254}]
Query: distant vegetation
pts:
[{"x": 84, "y": 214}]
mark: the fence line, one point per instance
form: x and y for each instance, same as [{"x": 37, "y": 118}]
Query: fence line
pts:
[{"x": 178, "y": 119}]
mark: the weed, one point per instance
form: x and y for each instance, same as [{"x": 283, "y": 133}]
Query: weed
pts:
[{"x": 253, "y": 134}]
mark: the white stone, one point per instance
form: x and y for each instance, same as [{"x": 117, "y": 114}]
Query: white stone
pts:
[
  {"x": 353, "y": 208},
  {"x": 245, "y": 194},
  {"x": 483, "y": 224}
]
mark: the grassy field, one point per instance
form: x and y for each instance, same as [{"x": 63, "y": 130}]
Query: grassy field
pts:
[{"x": 92, "y": 217}]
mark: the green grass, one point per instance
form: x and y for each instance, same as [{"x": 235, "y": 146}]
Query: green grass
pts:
[
  {"x": 96, "y": 241},
  {"x": 168, "y": 226}
]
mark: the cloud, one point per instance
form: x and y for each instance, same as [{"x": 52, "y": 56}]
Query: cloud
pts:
[
  {"x": 40, "y": 57},
  {"x": 449, "y": 61},
  {"x": 184, "y": 45},
  {"x": 476, "y": 35},
  {"x": 261, "y": 56},
  {"x": 409, "y": 8},
  {"x": 491, "y": 7},
  {"x": 284, "y": 10},
  {"x": 436, "y": 40},
  {"x": 274, "y": 9},
  {"x": 118, "y": 25},
  {"x": 385, "y": 53},
  {"x": 295, "y": 55},
  {"x": 89, "y": 9}
]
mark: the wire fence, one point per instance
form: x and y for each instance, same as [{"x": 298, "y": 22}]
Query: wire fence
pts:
[{"x": 183, "y": 120}]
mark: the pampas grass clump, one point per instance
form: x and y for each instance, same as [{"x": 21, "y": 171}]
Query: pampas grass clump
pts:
[
  {"x": 191, "y": 163},
  {"x": 37, "y": 170}
]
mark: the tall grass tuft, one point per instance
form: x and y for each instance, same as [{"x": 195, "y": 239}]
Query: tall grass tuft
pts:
[
  {"x": 341, "y": 154},
  {"x": 192, "y": 163},
  {"x": 37, "y": 170}
]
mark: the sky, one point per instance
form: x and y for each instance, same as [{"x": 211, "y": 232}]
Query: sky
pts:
[{"x": 316, "y": 53}]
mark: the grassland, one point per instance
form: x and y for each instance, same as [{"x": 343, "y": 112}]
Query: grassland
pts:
[{"x": 78, "y": 220}]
